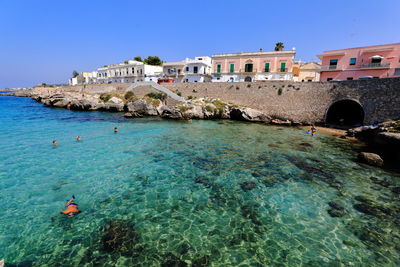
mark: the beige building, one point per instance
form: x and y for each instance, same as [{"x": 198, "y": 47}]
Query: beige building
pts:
[{"x": 306, "y": 72}]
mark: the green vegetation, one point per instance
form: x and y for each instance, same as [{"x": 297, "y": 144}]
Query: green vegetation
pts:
[
  {"x": 182, "y": 108},
  {"x": 179, "y": 93},
  {"x": 130, "y": 97},
  {"x": 153, "y": 60},
  {"x": 75, "y": 74},
  {"x": 105, "y": 97},
  {"x": 280, "y": 91},
  {"x": 126, "y": 61},
  {"x": 279, "y": 46},
  {"x": 138, "y": 59},
  {"x": 160, "y": 96},
  {"x": 152, "y": 101},
  {"x": 190, "y": 97}
]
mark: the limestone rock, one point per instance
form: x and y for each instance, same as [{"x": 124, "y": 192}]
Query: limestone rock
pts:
[
  {"x": 371, "y": 159},
  {"x": 386, "y": 138},
  {"x": 115, "y": 100},
  {"x": 248, "y": 114},
  {"x": 171, "y": 113},
  {"x": 281, "y": 122},
  {"x": 141, "y": 107}
]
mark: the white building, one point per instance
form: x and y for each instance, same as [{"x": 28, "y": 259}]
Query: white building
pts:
[
  {"x": 189, "y": 70},
  {"x": 198, "y": 69},
  {"x": 128, "y": 72},
  {"x": 84, "y": 78}
]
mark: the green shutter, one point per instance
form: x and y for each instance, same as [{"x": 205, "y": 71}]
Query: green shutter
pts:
[
  {"x": 283, "y": 66},
  {"x": 266, "y": 69},
  {"x": 248, "y": 68},
  {"x": 232, "y": 68},
  {"x": 218, "y": 68}
]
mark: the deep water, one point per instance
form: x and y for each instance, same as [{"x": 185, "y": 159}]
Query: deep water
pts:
[{"x": 172, "y": 193}]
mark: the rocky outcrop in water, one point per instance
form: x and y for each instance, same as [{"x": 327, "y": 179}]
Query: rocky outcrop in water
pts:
[{"x": 371, "y": 159}]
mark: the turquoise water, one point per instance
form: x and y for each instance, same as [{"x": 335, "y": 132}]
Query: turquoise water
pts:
[{"x": 170, "y": 193}]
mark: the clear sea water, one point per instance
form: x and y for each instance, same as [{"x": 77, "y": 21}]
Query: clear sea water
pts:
[{"x": 171, "y": 193}]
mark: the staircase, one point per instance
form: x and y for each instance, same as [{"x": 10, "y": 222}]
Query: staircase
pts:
[{"x": 158, "y": 88}]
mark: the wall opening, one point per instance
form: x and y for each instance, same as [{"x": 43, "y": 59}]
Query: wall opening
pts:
[
  {"x": 345, "y": 113},
  {"x": 247, "y": 79}
]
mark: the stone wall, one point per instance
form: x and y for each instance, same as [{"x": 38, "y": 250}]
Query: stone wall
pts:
[{"x": 306, "y": 102}]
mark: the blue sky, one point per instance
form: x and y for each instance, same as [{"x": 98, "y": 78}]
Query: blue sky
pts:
[{"x": 44, "y": 41}]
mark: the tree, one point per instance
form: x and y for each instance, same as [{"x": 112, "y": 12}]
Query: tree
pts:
[
  {"x": 74, "y": 74},
  {"x": 138, "y": 59},
  {"x": 279, "y": 46},
  {"x": 153, "y": 60}
]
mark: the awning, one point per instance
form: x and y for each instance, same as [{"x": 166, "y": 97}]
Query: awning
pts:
[{"x": 377, "y": 57}]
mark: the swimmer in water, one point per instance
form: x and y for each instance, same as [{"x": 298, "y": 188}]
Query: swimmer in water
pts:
[
  {"x": 55, "y": 143},
  {"x": 72, "y": 208},
  {"x": 115, "y": 130},
  {"x": 78, "y": 138}
]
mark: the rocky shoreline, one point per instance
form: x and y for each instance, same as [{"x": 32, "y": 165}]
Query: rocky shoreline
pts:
[{"x": 152, "y": 104}]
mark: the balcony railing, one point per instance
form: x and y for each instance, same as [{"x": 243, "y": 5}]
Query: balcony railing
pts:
[
  {"x": 375, "y": 65},
  {"x": 330, "y": 68},
  {"x": 282, "y": 70}
]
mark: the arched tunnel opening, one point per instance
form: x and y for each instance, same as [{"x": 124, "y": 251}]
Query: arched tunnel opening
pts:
[{"x": 345, "y": 113}]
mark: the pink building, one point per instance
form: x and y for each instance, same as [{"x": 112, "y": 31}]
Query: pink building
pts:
[
  {"x": 253, "y": 66},
  {"x": 378, "y": 61}
]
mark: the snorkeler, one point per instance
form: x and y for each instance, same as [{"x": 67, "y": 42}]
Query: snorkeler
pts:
[
  {"x": 55, "y": 143},
  {"x": 78, "y": 138},
  {"x": 72, "y": 207},
  {"x": 115, "y": 130}
]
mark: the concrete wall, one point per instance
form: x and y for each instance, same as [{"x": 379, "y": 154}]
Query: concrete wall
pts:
[{"x": 304, "y": 102}]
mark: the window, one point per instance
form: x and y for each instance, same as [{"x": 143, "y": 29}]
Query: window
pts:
[
  {"x": 169, "y": 70},
  {"x": 248, "y": 68},
  {"x": 283, "y": 66},
  {"x": 266, "y": 67},
  {"x": 232, "y": 68},
  {"x": 179, "y": 71},
  {"x": 195, "y": 69},
  {"x": 133, "y": 70},
  {"x": 376, "y": 60},
  {"x": 333, "y": 62},
  {"x": 397, "y": 71},
  {"x": 309, "y": 80},
  {"x": 349, "y": 78},
  {"x": 174, "y": 69},
  {"x": 329, "y": 79},
  {"x": 187, "y": 69},
  {"x": 218, "y": 68},
  {"x": 353, "y": 61}
]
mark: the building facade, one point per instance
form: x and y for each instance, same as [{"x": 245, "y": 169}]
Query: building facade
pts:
[
  {"x": 198, "y": 70},
  {"x": 378, "y": 61},
  {"x": 306, "y": 72},
  {"x": 253, "y": 66},
  {"x": 84, "y": 78},
  {"x": 174, "y": 71},
  {"x": 188, "y": 70},
  {"x": 129, "y": 72}
]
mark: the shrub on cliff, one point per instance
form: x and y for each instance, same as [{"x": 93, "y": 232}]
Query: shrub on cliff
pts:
[
  {"x": 160, "y": 96},
  {"x": 105, "y": 97},
  {"x": 280, "y": 91}
]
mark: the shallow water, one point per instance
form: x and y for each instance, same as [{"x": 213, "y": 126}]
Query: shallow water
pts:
[{"x": 170, "y": 193}]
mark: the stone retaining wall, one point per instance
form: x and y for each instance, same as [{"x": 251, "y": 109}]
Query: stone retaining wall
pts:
[{"x": 306, "y": 102}]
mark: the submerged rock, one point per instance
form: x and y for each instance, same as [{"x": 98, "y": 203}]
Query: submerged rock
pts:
[
  {"x": 248, "y": 185},
  {"x": 118, "y": 236},
  {"x": 336, "y": 210},
  {"x": 383, "y": 183},
  {"x": 173, "y": 261},
  {"x": 371, "y": 159}
]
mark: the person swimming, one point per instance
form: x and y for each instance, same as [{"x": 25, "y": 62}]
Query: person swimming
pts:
[
  {"x": 78, "y": 138},
  {"x": 55, "y": 143},
  {"x": 72, "y": 208},
  {"x": 115, "y": 130}
]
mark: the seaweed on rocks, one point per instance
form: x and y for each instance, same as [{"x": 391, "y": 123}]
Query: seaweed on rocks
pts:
[
  {"x": 119, "y": 236},
  {"x": 250, "y": 212},
  {"x": 336, "y": 210},
  {"x": 313, "y": 171},
  {"x": 173, "y": 261},
  {"x": 201, "y": 262},
  {"x": 384, "y": 183},
  {"x": 204, "y": 181},
  {"x": 248, "y": 185}
]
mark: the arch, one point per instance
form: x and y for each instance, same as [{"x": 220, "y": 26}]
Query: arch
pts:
[
  {"x": 247, "y": 79},
  {"x": 345, "y": 113}
]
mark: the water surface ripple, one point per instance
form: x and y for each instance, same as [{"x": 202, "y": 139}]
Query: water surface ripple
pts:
[{"x": 170, "y": 193}]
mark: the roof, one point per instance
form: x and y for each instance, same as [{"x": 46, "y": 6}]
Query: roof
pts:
[{"x": 268, "y": 53}]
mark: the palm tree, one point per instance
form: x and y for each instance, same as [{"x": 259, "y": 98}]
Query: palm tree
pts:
[{"x": 279, "y": 46}]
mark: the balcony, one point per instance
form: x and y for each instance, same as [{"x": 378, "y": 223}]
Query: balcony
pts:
[
  {"x": 375, "y": 65},
  {"x": 330, "y": 68}
]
